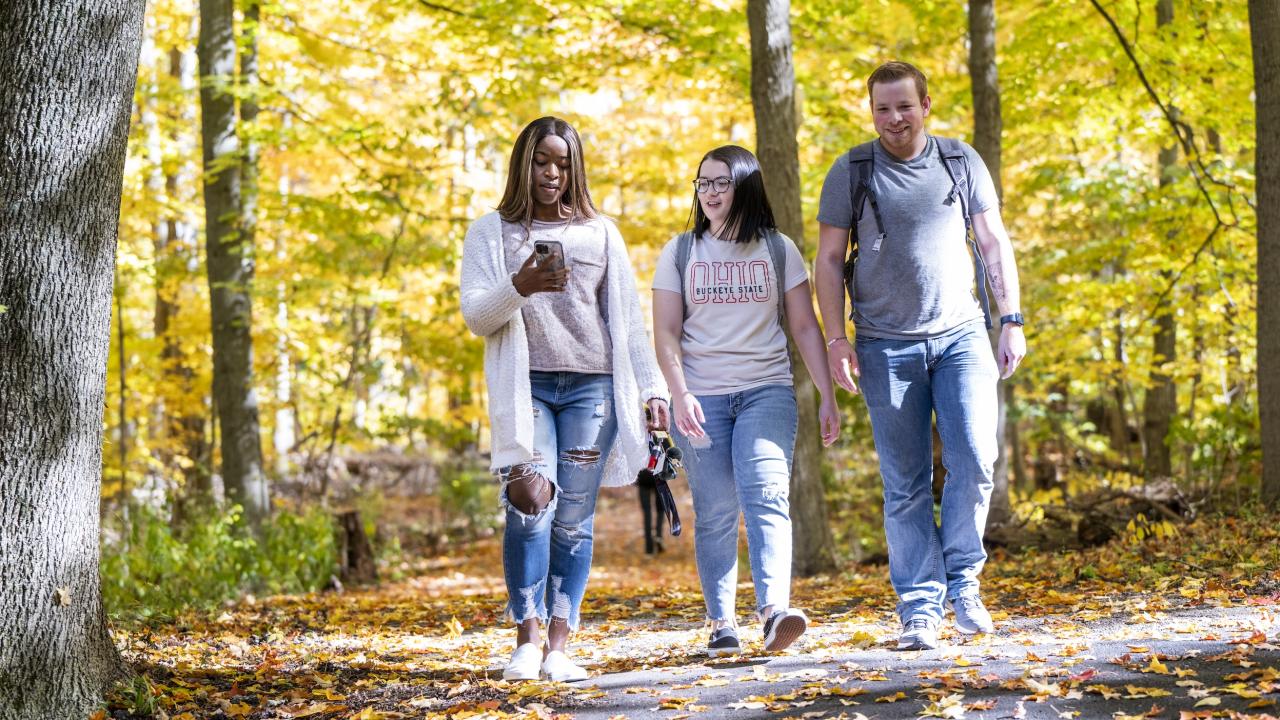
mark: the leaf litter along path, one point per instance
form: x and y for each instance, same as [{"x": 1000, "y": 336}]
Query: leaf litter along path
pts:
[{"x": 1198, "y": 645}]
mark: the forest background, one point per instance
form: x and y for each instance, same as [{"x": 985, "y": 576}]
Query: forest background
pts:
[
  {"x": 261, "y": 384},
  {"x": 359, "y": 139}
]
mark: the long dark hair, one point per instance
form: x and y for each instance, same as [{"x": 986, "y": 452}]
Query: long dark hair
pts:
[
  {"x": 517, "y": 200},
  {"x": 750, "y": 214}
]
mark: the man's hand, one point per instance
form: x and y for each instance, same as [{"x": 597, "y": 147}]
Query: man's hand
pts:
[
  {"x": 844, "y": 364},
  {"x": 1011, "y": 349},
  {"x": 532, "y": 279}
]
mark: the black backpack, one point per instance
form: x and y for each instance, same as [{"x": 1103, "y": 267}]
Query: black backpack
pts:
[{"x": 862, "y": 166}]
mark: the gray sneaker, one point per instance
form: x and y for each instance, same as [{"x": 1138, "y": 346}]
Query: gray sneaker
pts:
[
  {"x": 918, "y": 633},
  {"x": 971, "y": 616},
  {"x": 724, "y": 641}
]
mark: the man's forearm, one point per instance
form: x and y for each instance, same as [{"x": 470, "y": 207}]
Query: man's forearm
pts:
[{"x": 1002, "y": 274}]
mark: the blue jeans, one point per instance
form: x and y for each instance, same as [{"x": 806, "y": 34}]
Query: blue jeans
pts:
[
  {"x": 746, "y": 472},
  {"x": 546, "y": 557},
  {"x": 905, "y": 382}
]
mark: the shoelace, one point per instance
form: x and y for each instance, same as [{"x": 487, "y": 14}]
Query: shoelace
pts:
[{"x": 917, "y": 624}]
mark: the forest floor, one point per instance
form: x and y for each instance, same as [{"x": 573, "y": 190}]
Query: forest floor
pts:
[{"x": 1184, "y": 627}]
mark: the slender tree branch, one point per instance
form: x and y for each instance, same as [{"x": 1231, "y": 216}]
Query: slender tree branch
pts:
[
  {"x": 1195, "y": 163},
  {"x": 444, "y": 9}
]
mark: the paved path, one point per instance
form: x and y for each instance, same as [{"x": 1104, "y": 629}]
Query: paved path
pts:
[{"x": 1170, "y": 661}]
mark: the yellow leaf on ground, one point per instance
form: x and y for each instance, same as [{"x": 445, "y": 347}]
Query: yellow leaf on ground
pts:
[{"x": 1155, "y": 666}]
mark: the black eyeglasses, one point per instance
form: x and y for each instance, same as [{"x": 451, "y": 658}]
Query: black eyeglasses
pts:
[{"x": 721, "y": 184}]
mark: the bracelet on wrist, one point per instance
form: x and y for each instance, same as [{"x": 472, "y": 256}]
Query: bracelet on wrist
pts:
[{"x": 834, "y": 340}]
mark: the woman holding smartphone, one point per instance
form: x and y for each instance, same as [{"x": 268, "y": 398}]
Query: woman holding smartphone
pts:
[
  {"x": 547, "y": 282},
  {"x": 722, "y": 295}
]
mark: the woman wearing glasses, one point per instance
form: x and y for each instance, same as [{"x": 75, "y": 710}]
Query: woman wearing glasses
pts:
[
  {"x": 546, "y": 281},
  {"x": 722, "y": 294}
]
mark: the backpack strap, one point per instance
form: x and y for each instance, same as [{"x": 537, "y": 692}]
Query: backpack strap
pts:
[
  {"x": 684, "y": 244},
  {"x": 861, "y": 167},
  {"x": 957, "y": 164},
  {"x": 778, "y": 253}
]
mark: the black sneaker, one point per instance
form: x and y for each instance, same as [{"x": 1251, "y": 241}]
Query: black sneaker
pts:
[
  {"x": 724, "y": 641},
  {"x": 782, "y": 628}
]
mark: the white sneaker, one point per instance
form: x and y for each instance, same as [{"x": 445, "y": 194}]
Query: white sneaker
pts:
[
  {"x": 919, "y": 633},
  {"x": 524, "y": 663},
  {"x": 557, "y": 667},
  {"x": 971, "y": 615}
]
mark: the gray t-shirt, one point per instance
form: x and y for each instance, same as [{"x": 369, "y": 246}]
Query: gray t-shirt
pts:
[
  {"x": 732, "y": 340},
  {"x": 920, "y": 283},
  {"x": 566, "y": 330}
]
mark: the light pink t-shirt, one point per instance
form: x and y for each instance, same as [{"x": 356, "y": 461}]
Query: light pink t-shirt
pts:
[{"x": 732, "y": 340}]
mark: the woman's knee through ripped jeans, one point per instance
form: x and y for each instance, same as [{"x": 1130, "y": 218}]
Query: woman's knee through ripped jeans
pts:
[{"x": 550, "y": 501}]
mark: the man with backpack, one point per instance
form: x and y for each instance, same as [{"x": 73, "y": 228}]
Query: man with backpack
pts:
[{"x": 917, "y": 287}]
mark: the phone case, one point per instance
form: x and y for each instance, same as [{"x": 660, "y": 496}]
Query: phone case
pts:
[{"x": 550, "y": 254}]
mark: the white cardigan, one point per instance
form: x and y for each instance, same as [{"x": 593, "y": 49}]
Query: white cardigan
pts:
[{"x": 491, "y": 308}]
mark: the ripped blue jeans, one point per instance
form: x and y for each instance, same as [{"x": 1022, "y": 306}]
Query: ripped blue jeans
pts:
[
  {"x": 546, "y": 556},
  {"x": 746, "y": 472}
]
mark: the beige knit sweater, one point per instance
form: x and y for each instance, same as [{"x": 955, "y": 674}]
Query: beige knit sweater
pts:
[{"x": 491, "y": 308}]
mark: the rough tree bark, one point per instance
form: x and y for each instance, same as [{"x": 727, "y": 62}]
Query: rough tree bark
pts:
[
  {"x": 230, "y": 266},
  {"x": 1162, "y": 393},
  {"x": 65, "y": 99},
  {"x": 988, "y": 125},
  {"x": 773, "y": 91},
  {"x": 1264, "y": 23}
]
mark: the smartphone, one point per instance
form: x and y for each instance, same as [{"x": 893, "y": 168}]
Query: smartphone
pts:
[{"x": 550, "y": 254}]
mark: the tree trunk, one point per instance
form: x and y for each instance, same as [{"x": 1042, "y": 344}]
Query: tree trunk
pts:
[
  {"x": 1162, "y": 394},
  {"x": 229, "y": 266},
  {"x": 773, "y": 99},
  {"x": 988, "y": 125},
  {"x": 356, "y": 554},
  {"x": 184, "y": 422},
  {"x": 284, "y": 435},
  {"x": 1264, "y": 23},
  {"x": 65, "y": 100}
]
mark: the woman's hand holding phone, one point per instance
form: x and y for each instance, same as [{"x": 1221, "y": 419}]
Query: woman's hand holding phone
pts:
[{"x": 533, "y": 278}]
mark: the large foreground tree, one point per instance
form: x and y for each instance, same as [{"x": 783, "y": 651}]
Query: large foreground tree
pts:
[
  {"x": 773, "y": 96},
  {"x": 65, "y": 100},
  {"x": 1264, "y": 22}
]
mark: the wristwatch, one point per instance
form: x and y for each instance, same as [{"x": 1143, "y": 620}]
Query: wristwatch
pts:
[{"x": 1015, "y": 318}]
